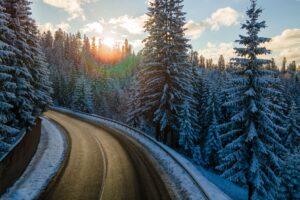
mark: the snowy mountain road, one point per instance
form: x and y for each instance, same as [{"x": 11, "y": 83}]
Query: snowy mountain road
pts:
[{"x": 104, "y": 165}]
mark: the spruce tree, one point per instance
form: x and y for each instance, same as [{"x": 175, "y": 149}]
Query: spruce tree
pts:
[
  {"x": 163, "y": 81},
  {"x": 290, "y": 173},
  {"x": 132, "y": 113},
  {"x": 292, "y": 135},
  {"x": 38, "y": 70},
  {"x": 252, "y": 142},
  {"x": 82, "y": 98},
  {"x": 221, "y": 63},
  {"x": 7, "y": 85},
  {"x": 189, "y": 129},
  {"x": 19, "y": 11},
  {"x": 284, "y": 62},
  {"x": 33, "y": 86},
  {"x": 212, "y": 115}
]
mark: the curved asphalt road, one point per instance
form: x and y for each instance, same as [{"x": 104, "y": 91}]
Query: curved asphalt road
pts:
[{"x": 104, "y": 165}]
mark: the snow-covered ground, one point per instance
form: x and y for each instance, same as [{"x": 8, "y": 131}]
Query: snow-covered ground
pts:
[
  {"x": 43, "y": 167},
  {"x": 234, "y": 191},
  {"x": 173, "y": 173}
]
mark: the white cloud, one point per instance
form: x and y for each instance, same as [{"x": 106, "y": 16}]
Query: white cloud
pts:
[
  {"x": 94, "y": 27},
  {"x": 287, "y": 44},
  {"x": 194, "y": 29},
  {"x": 51, "y": 27},
  {"x": 221, "y": 17},
  {"x": 214, "y": 51},
  {"x": 72, "y": 7},
  {"x": 134, "y": 25}
]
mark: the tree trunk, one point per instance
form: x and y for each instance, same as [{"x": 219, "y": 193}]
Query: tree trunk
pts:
[
  {"x": 250, "y": 192},
  {"x": 157, "y": 133}
]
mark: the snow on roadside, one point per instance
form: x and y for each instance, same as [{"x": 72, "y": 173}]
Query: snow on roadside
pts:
[
  {"x": 43, "y": 167},
  {"x": 174, "y": 175},
  {"x": 186, "y": 187},
  {"x": 234, "y": 191}
]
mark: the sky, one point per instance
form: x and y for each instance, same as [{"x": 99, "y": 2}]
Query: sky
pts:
[{"x": 212, "y": 25}]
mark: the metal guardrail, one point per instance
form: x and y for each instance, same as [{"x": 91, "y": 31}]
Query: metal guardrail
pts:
[{"x": 162, "y": 147}]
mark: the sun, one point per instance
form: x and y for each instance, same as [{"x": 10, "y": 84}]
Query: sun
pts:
[{"x": 109, "y": 42}]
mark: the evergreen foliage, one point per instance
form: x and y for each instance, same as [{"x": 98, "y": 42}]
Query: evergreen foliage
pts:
[
  {"x": 252, "y": 142},
  {"x": 7, "y": 85},
  {"x": 25, "y": 88},
  {"x": 82, "y": 98},
  {"x": 163, "y": 81},
  {"x": 290, "y": 174}
]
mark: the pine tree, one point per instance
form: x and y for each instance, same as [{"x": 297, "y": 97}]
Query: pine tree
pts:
[
  {"x": 88, "y": 97},
  {"x": 252, "y": 144},
  {"x": 7, "y": 86},
  {"x": 198, "y": 83},
  {"x": 82, "y": 98},
  {"x": 212, "y": 115},
  {"x": 290, "y": 173},
  {"x": 38, "y": 70},
  {"x": 23, "y": 106},
  {"x": 189, "y": 130},
  {"x": 283, "y": 69},
  {"x": 47, "y": 43},
  {"x": 292, "y": 135},
  {"x": 221, "y": 63},
  {"x": 202, "y": 62},
  {"x": 292, "y": 67},
  {"x": 194, "y": 58},
  {"x": 209, "y": 63},
  {"x": 58, "y": 49},
  {"x": 94, "y": 47},
  {"x": 132, "y": 113},
  {"x": 163, "y": 81}
]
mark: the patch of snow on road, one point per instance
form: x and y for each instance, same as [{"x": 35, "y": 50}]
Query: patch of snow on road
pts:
[{"x": 43, "y": 167}]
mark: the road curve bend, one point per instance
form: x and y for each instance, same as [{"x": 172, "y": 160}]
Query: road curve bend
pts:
[{"x": 103, "y": 165}]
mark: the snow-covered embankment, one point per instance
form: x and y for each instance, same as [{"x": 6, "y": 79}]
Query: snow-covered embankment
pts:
[{"x": 44, "y": 165}]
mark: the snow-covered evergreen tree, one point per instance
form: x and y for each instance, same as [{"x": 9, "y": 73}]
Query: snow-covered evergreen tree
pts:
[
  {"x": 82, "y": 98},
  {"x": 212, "y": 143},
  {"x": 252, "y": 142},
  {"x": 290, "y": 174},
  {"x": 197, "y": 155},
  {"x": 292, "y": 135},
  {"x": 132, "y": 112},
  {"x": 7, "y": 85},
  {"x": 39, "y": 71},
  {"x": 212, "y": 116},
  {"x": 221, "y": 63},
  {"x": 19, "y": 11},
  {"x": 163, "y": 81},
  {"x": 24, "y": 85},
  {"x": 189, "y": 129},
  {"x": 88, "y": 97}
]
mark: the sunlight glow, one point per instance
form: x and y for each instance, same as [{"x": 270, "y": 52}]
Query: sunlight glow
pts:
[{"x": 109, "y": 42}]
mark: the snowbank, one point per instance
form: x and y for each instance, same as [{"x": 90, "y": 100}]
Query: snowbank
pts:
[
  {"x": 43, "y": 167},
  {"x": 234, "y": 191},
  {"x": 179, "y": 173}
]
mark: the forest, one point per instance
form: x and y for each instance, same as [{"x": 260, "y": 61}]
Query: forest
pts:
[{"x": 239, "y": 118}]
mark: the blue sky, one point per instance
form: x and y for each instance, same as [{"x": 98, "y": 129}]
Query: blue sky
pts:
[{"x": 212, "y": 25}]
